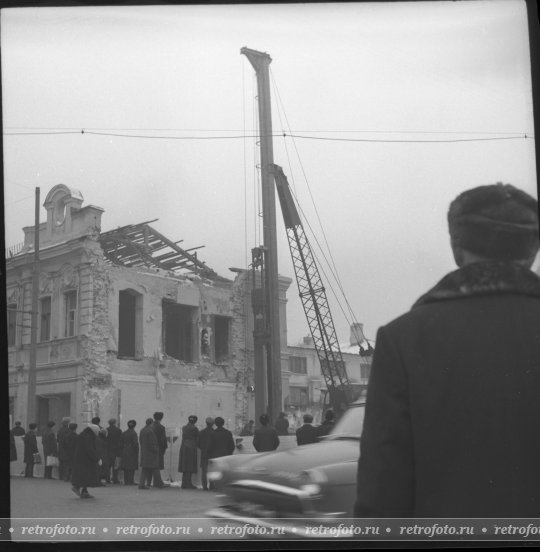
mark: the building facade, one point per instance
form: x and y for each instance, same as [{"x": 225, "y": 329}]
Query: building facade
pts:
[{"x": 128, "y": 324}]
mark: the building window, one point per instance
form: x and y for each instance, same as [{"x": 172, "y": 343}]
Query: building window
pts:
[
  {"x": 70, "y": 313},
  {"x": 129, "y": 324},
  {"x": 45, "y": 319},
  {"x": 12, "y": 324},
  {"x": 178, "y": 330},
  {"x": 221, "y": 338},
  {"x": 298, "y": 396},
  {"x": 298, "y": 365}
]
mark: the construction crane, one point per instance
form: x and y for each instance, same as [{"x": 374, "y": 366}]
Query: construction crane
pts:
[{"x": 313, "y": 296}]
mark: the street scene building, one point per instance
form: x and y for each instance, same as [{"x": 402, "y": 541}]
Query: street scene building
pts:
[{"x": 128, "y": 323}]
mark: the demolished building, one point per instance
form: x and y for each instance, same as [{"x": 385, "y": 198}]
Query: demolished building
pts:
[{"x": 128, "y": 323}]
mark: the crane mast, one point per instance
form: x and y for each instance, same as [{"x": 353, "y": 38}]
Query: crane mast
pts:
[{"x": 314, "y": 300}]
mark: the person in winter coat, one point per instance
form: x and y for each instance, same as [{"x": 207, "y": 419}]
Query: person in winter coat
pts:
[
  {"x": 18, "y": 430},
  {"x": 265, "y": 438},
  {"x": 30, "y": 448},
  {"x": 60, "y": 437},
  {"x": 205, "y": 443},
  {"x": 103, "y": 467},
  {"x": 222, "y": 442},
  {"x": 306, "y": 434},
  {"x": 86, "y": 460},
  {"x": 149, "y": 454},
  {"x": 187, "y": 461},
  {"x": 130, "y": 452},
  {"x": 282, "y": 424},
  {"x": 114, "y": 434},
  {"x": 161, "y": 437},
  {"x": 69, "y": 444},
  {"x": 451, "y": 421},
  {"x": 50, "y": 447},
  {"x": 326, "y": 427}
]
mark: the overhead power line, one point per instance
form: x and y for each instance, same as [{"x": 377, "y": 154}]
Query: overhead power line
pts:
[{"x": 281, "y": 134}]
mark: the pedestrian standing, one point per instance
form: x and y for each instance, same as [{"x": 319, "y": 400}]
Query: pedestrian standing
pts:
[
  {"x": 265, "y": 437},
  {"x": 222, "y": 440},
  {"x": 114, "y": 434},
  {"x": 85, "y": 462},
  {"x": 451, "y": 423},
  {"x": 326, "y": 427},
  {"x": 103, "y": 467},
  {"x": 306, "y": 434},
  {"x": 30, "y": 448},
  {"x": 70, "y": 442},
  {"x": 205, "y": 443},
  {"x": 50, "y": 448},
  {"x": 63, "y": 431},
  {"x": 282, "y": 424},
  {"x": 96, "y": 420},
  {"x": 187, "y": 461},
  {"x": 12, "y": 447},
  {"x": 130, "y": 452},
  {"x": 161, "y": 437},
  {"x": 149, "y": 454}
]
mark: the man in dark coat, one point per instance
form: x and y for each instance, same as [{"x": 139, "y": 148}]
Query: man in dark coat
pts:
[
  {"x": 50, "y": 447},
  {"x": 161, "y": 437},
  {"x": 326, "y": 427},
  {"x": 187, "y": 461},
  {"x": 85, "y": 462},
  {"x": 265, "y": 437},
  {"x": 306, "y": 434},
  {"x": 223, "y": 441},
  {"x": 114, "y": 434},
  {"x": 130, "y": 452},
  {"x": 18, "y": 430},
  {"x": 282, "y": 424},
  {"x": 63, "y": 431},
  {"x": 70, "y": 442},
  {"x": 30, "y": 448},
  {"x": 205, "y": 443},
  {"x": 149, "y": 454},
  {"x": 451, "y": 423}
]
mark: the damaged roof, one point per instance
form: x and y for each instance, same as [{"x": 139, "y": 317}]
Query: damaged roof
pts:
[{"x": 140, "y": 245}]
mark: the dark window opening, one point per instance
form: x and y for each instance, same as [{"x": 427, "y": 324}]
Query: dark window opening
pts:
[
  {"x": 298, "y": 365},
  {"x": 129, "y": 324},
  {"x": 298, "y": 397},
  {"x": 70, "y": 313},
  {"x": 12, "y": 324},
  {"x": 178, "y": 331},
  {"x": 221, "y": 338},
  {"x": 45, "y": 319}
]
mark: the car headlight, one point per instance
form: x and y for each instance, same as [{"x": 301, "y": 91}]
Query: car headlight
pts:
[{"x": 312, "y": 482}]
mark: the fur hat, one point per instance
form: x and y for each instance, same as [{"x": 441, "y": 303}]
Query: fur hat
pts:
[
  {"x": 497, "y": 221},
  {"x": 131, "y": 423},
  {"x": 192, "y": 419}
]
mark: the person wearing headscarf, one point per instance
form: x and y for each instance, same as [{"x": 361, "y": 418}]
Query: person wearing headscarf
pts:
[
  {"x": 114, "y": 434},
  {"x": 187, "y": 461},
  {"x": 130, "y": 452},
  {"x": 63, "y": 431},
  {"x": 30, "y": 448},
  {"x": 149, "y": 454},
  {"x": 50, "y": 447},
  {"x": 205, "y": 443},
  {"x": 451, "y": 421},
  {"x": 86, "y": 461}
]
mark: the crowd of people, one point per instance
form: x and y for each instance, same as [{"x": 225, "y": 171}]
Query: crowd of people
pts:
[{"x": 97, "y": 456}]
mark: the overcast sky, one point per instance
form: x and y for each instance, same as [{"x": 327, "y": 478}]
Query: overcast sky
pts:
[{"x": 384, "y": 75}]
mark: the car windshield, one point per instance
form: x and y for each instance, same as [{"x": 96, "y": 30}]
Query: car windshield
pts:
[{"x": 350, "y": 424}]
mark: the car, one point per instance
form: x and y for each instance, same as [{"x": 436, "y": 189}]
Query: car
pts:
[{"x": 314, "y": 482}]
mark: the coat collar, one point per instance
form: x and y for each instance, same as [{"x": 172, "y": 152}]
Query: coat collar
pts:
[{"x": 485, "y": 278}]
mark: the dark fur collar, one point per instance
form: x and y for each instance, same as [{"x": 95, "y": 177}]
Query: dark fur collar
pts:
[{"x": 484, "y": 278}]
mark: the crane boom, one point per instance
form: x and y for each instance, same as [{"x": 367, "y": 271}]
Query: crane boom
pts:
[{"x": 314, "y": 300}]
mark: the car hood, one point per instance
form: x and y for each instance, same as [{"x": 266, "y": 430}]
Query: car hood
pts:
[{"x": 302, "y": 458}]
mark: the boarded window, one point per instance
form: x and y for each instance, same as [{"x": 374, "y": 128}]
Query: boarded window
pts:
[
  {"x": 45, "y": 319},
  {"x": 12, "y": 324},
  {"x": 178, "y": 330},
  {"x": 221, "y": 338},
  {"x": 298, "y": 396},
  {"x": 298, "y": 365},
  {"x": 129, "y": 324},
  {"x": 70, "y": 313}
]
